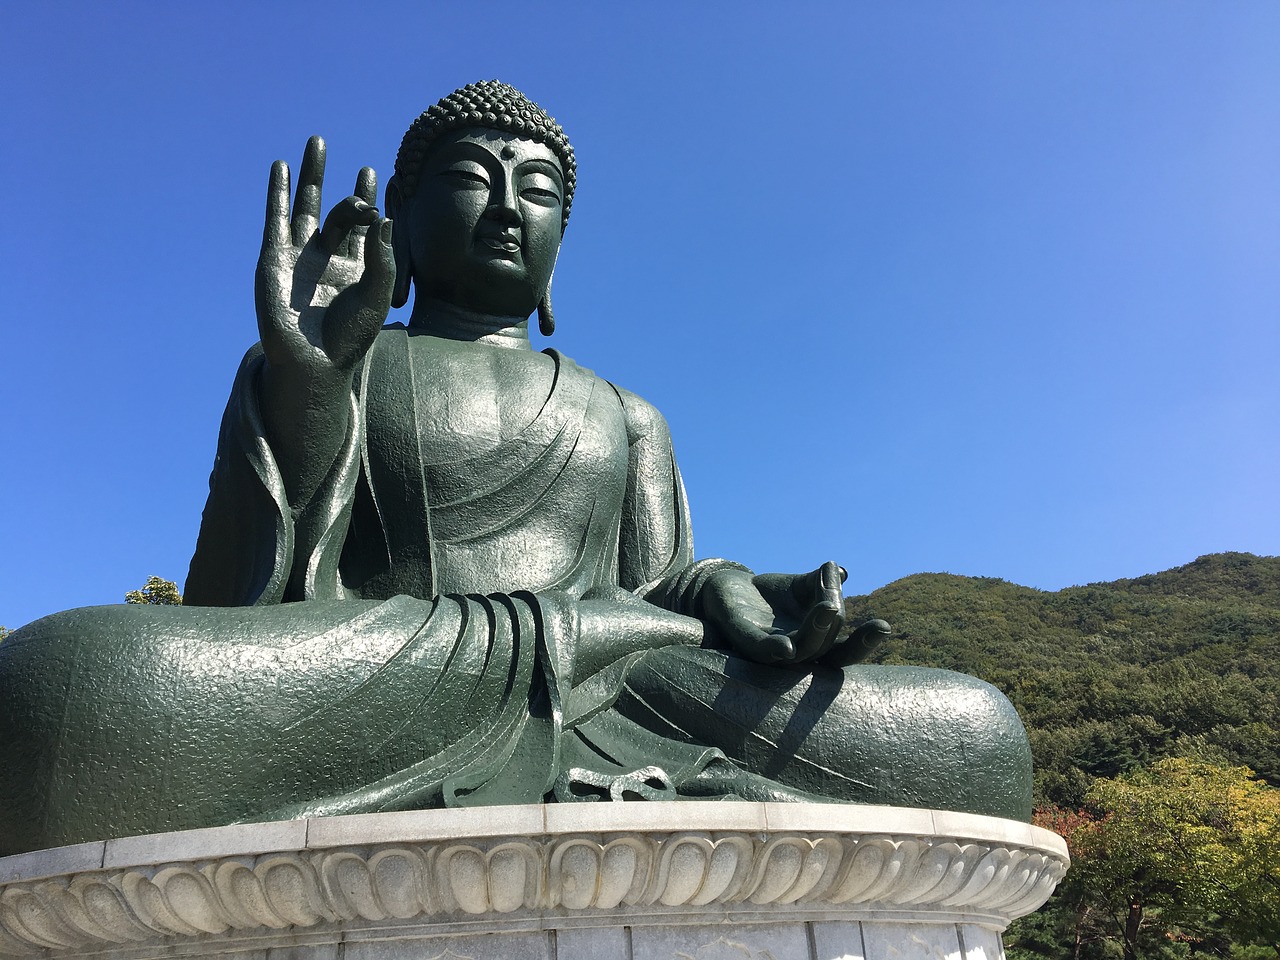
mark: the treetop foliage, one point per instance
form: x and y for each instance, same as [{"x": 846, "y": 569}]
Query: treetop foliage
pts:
[{"x": 156, "y": 590}]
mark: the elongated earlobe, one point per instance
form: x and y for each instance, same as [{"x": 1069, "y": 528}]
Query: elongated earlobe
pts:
[
  {"x": 404, "y": 273},
  {"x": 546, "y": 319},
  {"x": 399, "y": 245}
]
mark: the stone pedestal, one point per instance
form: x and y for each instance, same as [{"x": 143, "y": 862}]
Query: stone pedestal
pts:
[{"x": 633, "y": 881}]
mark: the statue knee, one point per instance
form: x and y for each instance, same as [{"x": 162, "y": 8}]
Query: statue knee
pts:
[
  {"x": 958, "y": 741},
  {"x": 904, "y": 736}
]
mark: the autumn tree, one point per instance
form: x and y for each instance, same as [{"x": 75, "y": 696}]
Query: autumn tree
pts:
[
  {"x": 1182, "y": 848},
  {"x": 1072, "y": 922}
]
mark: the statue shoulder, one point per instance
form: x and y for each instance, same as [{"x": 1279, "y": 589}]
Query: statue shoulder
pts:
[{"x": 644, "y": 420}]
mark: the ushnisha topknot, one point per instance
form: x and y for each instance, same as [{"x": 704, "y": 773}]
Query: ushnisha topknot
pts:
[{"x": 492, "y": 104}]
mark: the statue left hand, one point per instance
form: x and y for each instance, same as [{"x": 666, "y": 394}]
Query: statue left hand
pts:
[{"x": 788, "y": 618}]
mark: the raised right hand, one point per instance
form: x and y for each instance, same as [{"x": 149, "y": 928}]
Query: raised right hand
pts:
[{"x": 321, "y": 294}]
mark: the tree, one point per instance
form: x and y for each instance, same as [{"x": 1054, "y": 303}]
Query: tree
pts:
[
  {"x": 1182, "y": 848},
  {"x": 1071, "y": 919},
  {"x": 156, "y": 590},
  {"x": 1183, "y": 856}
]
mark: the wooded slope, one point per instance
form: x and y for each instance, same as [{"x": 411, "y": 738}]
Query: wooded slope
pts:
[{"x": 1109, "y": 677}]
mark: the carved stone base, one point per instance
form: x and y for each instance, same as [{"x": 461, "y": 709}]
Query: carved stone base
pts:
[{"x": 633, "y": 881}]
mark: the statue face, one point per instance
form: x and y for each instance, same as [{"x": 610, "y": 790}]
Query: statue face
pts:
[{"x": 484, "y": 224}]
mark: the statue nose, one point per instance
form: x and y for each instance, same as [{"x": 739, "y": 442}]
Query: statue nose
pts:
[
  {"x": 502, "y": 203},
  {"x": 504, "y": 213}
]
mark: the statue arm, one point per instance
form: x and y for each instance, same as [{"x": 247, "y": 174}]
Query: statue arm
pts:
[
  {"x": 771, "y": 618},
  {"x": 253, "y": 547},
  {"x": 655, "y": 539},
  {"x": 286, "y": 466},
  {"x": 321, "y": 295},
  {"x": 655, "y": 550}
]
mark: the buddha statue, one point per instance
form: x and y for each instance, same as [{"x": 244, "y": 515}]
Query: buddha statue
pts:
[{"x": 438, "y": 568}]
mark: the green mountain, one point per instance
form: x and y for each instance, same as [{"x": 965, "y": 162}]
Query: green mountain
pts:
[{"x": 1110, "y": 677}]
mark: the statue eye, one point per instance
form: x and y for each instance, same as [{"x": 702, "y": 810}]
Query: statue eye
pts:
[
  {"x": 469, "y": 176},
  {"x": 540, "y": 189},
  {"x": 536, "y": 195}
]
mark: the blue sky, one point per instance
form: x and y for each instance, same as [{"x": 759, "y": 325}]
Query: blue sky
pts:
[{"x": 988, "y": 288}]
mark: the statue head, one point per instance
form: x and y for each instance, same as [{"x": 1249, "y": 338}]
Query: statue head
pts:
[{"x": 482, "y": 190}]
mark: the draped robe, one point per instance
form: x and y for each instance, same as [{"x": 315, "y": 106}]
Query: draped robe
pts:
[{"x": 408, "y": 639}]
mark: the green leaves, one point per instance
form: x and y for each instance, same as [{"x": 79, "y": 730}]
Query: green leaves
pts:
[
  {"x": 1189, "y": 848},
  {"x": 156, "y": 590},
  {"x": 1182, "y": 856}
]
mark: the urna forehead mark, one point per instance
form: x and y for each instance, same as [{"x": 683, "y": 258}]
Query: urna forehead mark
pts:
[{"x": 483, "y": 143}]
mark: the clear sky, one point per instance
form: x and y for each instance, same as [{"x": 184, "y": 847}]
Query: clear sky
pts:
[{"x": 988, "y": 288}]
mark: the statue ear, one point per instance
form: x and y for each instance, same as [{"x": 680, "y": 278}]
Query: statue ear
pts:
[
  {"x": 394, "y": 205},
  {"x": 546, "y": 318}
]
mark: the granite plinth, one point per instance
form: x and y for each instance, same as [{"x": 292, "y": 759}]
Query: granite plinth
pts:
[{"x": 685, "y": 881}]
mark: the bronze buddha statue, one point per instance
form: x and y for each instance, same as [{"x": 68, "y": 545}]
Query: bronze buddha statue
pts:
[{"x": 438, "y": 568}]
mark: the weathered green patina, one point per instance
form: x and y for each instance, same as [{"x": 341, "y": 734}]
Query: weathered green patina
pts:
[{"x": 438, "y": 568}]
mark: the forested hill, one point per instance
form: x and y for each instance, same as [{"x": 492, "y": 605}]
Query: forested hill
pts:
[{"x": 1109, "y": 677}]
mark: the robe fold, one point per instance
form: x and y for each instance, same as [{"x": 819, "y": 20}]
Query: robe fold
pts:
[{"x": 407, "y": 641}]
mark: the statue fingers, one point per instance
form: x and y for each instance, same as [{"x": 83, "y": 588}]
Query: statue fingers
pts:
[
  {"x": 819, "y": 631},
  {"x": 750, "y": 639},
  {"x": 306, "y": 202},
  {"x": 344, "y": 220},
  {"x": 824, "y": 585},
  {"x": 772, "y": 648},
  {"x": 367, "y": 186},
  {"x": 831, "y": 577},
  {"x": 275, "y": 230},
  {"x": 366, "y": 190},
  {"x": 379, "y": 264},
  {"x": 859, "y": 644}
]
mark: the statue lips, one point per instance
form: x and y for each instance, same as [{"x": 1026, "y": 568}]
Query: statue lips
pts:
[{"x": 505, "y": 244}]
